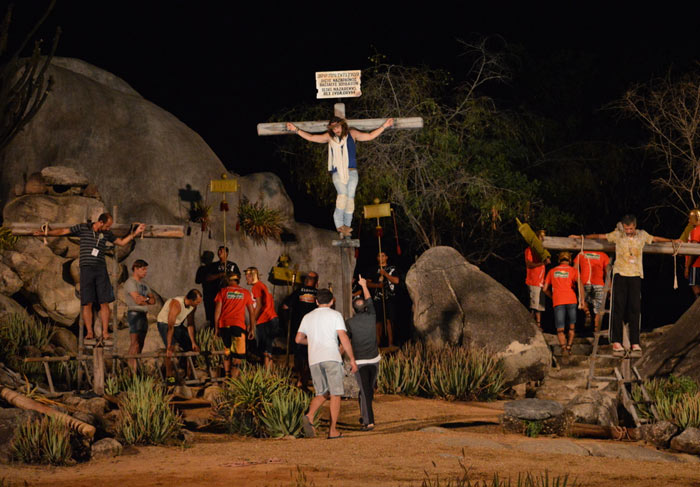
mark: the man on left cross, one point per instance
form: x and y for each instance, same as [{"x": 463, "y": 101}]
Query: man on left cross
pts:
[{"x": 95, "y": 287}]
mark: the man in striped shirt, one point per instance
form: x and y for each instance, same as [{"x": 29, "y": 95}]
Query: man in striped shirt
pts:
[{"x": 94, "y": 280}]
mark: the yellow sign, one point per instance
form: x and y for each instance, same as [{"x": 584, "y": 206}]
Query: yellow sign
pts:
[
  {"x": 285, "y": 275},
  {"x": 224, "y": 185},
  {"x": 377, "y": 211}
]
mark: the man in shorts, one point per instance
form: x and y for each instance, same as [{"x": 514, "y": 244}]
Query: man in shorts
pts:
[
  {"x": 592, "y": 266},
  {"x": 559, "y": 285},
  {"x": 265, "y": 317},
  {"x": 138, "y": 297},
  {"x": 232, "y": 302},
  {"x": 534, "y": 279},
  {"x": 95, "y": 287},
  {"x": 320, "y": 330}
]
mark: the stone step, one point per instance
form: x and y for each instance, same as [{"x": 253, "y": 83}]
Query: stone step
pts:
[{"x": 583, "y": 349}]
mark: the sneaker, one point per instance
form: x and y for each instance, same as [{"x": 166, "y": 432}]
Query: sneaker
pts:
[
  {"x": 636, "y": 351},
  {"x": 617, "y": 349}
]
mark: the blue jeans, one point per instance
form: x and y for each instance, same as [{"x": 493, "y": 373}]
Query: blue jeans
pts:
[
  {"x": 562, "y": 312},
  {"x": 345, "y": 202}
]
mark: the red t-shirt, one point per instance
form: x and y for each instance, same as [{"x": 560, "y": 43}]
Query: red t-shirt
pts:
[
  {"x": 535, "y": 275},
  {"x": 263, "y": 298},
  {"x": 562, "y": 279},
  {"x": 234, "y": 300},
  {"x": 694, "y": 237},
  {"x": 592, "y": 267}
]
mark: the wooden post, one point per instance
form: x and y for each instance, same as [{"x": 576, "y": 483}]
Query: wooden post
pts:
[{"x": 115, "y": 283}]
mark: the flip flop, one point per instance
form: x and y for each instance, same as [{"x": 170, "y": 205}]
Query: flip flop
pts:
[
  {"x": 340, "y": 435},
  {"x": 307, "y": 427}
]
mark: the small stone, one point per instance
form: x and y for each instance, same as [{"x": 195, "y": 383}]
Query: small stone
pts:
[
  {"x": 187, "y": 436},
  {"x": 211, "y": 393},
  {"x": 97, "y": 406},
  {"x": 688, "y": 441},
  {"x": 533, "y": 409},
  {"x": 658, "y": 434},
  {"x": 105, "y": 448}
]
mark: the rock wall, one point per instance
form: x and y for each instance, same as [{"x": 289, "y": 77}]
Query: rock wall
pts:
[
  {"x": 454, "y": 302},
  {"x": 150, "y": 165}
]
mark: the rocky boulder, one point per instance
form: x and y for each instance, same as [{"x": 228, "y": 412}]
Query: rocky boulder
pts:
[
  {"x": 594, "y": 407},
  {"x": 688, "y": 441},
  {"x": 454, "y": 302},
  {"x": 153, "y": 167},
  {"x": 677, "y": 351},
  {"x": 536, "y": 416},
  {"x": 105, "y": 448},
  {"x": 658, "y": 434},
  {"x": 10, "y": 282}
]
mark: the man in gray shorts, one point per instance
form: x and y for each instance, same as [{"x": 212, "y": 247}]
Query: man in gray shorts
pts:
[
  {"x": 138, "y": 297},
  {"x": 320, "y": 330}
]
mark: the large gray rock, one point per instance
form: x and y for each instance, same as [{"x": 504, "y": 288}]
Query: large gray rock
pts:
[
  {"x": 42, "y": 272},
  {"x": 533, "y": 409},
  {"x": 63, "y": 176},
  {"x": 10, "y": 282},
  {"x": 677, "y": 351},
  {"x": 688, "y": 441},
  {"x": 594, "y": 407},
  {"x": 454, "y": 302},
  {"x": 149, "y": 163}
]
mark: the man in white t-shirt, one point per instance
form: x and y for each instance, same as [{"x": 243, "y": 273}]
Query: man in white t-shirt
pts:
[{"x": 320, "y": 330}]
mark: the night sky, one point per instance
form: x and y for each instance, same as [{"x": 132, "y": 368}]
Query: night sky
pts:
[{"x": 221, "y": 67}]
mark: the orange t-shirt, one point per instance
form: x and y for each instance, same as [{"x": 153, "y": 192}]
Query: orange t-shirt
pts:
[
  {"x": 535, "y": 275},
  {"x": 592, "y": 267},
  {"x": 562, "y": 279},
  {"x": 694, "y": 237},
  {"x": 234, "y": 300},
  {"x": 262, "y": 297}
]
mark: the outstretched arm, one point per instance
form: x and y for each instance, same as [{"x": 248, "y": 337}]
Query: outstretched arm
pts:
[
  {"x": 54, "y": 233},
  {"x": 319, "y": 138},
  {"x": 600, "y": 236},
  {"x": 365, "y": 136},
  {"x": 130, "y": 237}
]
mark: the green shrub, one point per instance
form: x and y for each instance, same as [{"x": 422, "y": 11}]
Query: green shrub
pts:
[
  {"x": 42, "y": 441},
  {"x": 261, "y": 403},
  {"x": 259, "y": 222},
  {"x": 209, "y": 342},
  {"x": 449, "y": 372},
  {"x": 19, "y": 332},
  {"x": 7, "y": 240},
  {"x": 677, "y": 400},
  {"x": 145, "y": 415}
]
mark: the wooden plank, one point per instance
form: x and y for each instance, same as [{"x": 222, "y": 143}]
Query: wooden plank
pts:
[
  {"x": 317, "y": 127},
  {"x": 565, "y": 243},
  {"x": 120, "y": 230}
]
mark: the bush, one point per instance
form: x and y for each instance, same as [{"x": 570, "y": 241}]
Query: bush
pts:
[
  {"x": 18, "y": 333},
  {"x": 258, "y": 221},
  {"x": 261, "y": 403},
  {"x": 42, "y": 441},
  {"x": 209, "y": 342},
  {"x": 449, "y": 372},
  {"x": 145, "y": 415},
  {"x": 677, "y": 400},
  {"x": 123, "y": 379}
]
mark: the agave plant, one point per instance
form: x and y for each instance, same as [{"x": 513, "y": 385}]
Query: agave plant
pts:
[
  {"x": 145, "y": 415},
  {"x": 282, "y": 416},
  {"x": 673, "y": 395},
  {"x": 258, "y": 221},
  {"x": 47, "y": 440},
  {"x": 209, "y": 342},
  {"x": 18, "y": 333}
]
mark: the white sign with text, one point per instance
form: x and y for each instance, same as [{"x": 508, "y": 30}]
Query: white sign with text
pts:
[{"x": 338, "y": 84}]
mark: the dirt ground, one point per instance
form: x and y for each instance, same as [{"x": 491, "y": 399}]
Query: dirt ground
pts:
[{"x": 396, "y": 453}]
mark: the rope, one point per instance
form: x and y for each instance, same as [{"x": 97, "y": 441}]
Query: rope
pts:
[
  {"x": 45, "y": 229},
  {"x": 676, "y": 249},
  {"x": 396, "y": 232}
]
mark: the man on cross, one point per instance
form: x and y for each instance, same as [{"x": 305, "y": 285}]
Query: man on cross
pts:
[
  {"x": 95, "y": 287},
  {"x": 342, "y": 164},
  {"x": 628, "y": 273}
]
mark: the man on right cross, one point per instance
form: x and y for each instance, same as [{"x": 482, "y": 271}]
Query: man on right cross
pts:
[
  {"x": 692, "y": 262},
  {"x": 628, "y": 273}
]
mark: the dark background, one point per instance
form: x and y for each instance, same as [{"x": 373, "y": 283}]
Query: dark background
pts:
[{"x": 222, "y": 68}]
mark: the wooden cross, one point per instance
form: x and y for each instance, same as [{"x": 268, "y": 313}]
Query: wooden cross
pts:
[
  {"x": 366, "y": 125},
  {"x": 565, "y": 243},
  {"x": 24, "y": 229}
]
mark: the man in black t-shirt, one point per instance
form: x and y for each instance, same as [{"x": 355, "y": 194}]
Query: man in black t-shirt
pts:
[
  {"x": 299, "y": 303},
  {"x": 95, "y": 287},
  {"x": 211, "y": 279}
]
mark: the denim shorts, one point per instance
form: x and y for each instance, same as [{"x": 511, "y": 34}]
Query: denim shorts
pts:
[
  {"x": 595, "y": 297},
  {"x": 328, "y": 377},
  {"x": 138, "y": 323},
  {"x": 564, "y": 314}
]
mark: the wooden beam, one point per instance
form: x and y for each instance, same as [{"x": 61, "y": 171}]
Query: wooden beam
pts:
[
  {"x": 152, "y": 231},
  {"x": 565, "y": 243},
  {"x": 366, "y": 125}
]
